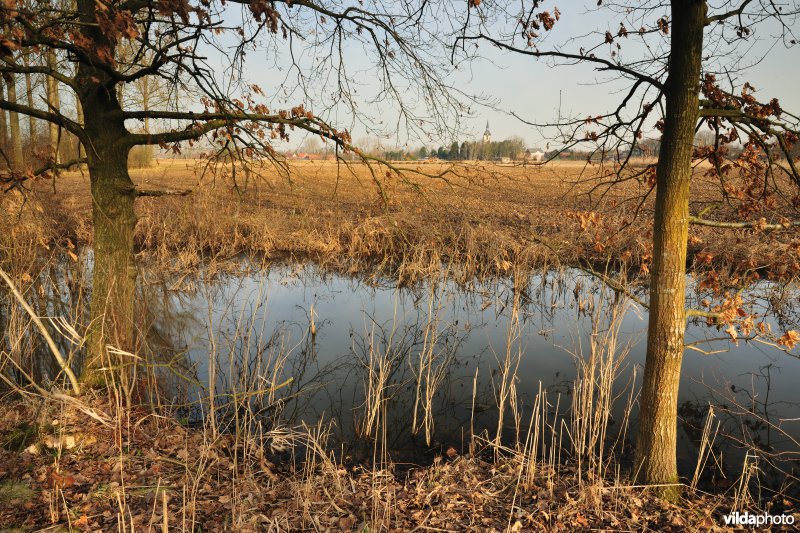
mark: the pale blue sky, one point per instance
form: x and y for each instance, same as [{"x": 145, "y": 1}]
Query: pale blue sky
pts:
[{"x": 530, "y": 87}]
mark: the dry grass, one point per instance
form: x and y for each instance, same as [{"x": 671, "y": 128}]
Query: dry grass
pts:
[
  {"x": 482, "y": 219},
  {"x": 130, "y": 466}
]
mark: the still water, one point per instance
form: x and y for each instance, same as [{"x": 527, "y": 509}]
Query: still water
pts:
[{"x": 333, "y": 335}]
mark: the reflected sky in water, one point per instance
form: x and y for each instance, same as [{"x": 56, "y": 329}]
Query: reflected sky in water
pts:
[{"x": 255, "y": 316}]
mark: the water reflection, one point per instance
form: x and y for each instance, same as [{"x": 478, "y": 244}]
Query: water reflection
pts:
[
  {"x": 337, "y": 336},
  {"x": 419, "y": 368}
]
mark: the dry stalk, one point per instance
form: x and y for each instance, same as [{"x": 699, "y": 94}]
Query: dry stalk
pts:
[
  {"x": 593, "y": 391},
  {"x": 431, "y": 366},
  {"x": 706, "y": 445},
  {"x": 507, "y": 374},
  {"x": 50, "y": 343}
]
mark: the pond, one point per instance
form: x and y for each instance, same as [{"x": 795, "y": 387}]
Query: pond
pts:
[{"x": 424, "y": 366}]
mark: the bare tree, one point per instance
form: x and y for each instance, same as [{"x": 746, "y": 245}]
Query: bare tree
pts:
[
  {"x": 3, "y": 120},
  {"x": 53, "y": 103},
  {"x": 682, "y": 50},
  {"x": 149, "y": 93},
  {"x": 313, "y": 145},
  {"x": 171, "y": 42}
]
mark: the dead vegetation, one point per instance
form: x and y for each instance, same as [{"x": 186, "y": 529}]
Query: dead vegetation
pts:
[
  {"x": 108, "y": 459},
  {"x": 137, "y": 470}
]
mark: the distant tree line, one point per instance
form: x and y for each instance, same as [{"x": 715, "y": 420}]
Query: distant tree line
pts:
[{"x": 512, "y": 148}]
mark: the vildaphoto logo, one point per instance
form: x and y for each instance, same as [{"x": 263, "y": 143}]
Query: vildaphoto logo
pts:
[{"x": 764, "y": 519}]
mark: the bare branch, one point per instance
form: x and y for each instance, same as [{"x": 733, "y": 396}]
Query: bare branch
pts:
[{"x": 759, "y": 225}]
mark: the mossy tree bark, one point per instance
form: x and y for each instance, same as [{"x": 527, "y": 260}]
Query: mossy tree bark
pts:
[
  {"x": 657, "y": 438},
  {"x": 114, "y": 275}
]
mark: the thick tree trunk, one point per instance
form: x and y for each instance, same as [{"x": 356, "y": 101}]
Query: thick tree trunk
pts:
[
  {"x": 113, "y": 195},
  {"x": 657, "y": 439},
  {"x": 114, "y": 276},
  {"x": 13, "y": 119}
]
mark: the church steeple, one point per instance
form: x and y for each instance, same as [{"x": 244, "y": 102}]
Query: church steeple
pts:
[{"x": 487, "y": 135}]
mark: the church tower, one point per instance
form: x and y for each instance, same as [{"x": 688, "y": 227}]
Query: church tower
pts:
[{"x": 487, "y": 135}]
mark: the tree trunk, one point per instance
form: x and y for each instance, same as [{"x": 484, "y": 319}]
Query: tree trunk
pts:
[
  {"x": 54, "y": 103},
  {"x": 31, "y": 120},
  {"x": 3, "y": 123},
  {"x": 113, "y": 216},
  {"x": 13, "y": 119},
  {"x": 148, "y": 157},
  {"x": 29, "y": 96},
  {"x": 657, "y": 439},
  {"x": 80, "y": 119},
  {"x": 114, "y": 276}
]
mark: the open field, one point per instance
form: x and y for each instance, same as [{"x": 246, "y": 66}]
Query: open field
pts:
[{"x": 480, "y": 218}]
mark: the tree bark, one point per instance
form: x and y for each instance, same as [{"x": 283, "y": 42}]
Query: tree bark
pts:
[
  {"x": 657, "y": 438},
  {"x": 114, "y": 275}
]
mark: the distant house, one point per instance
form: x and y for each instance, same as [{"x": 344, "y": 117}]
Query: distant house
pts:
[
  {"x": 537, "y": 156},
  {"x": 303, "y": 156},
  {"x": 502, "y": 159}
]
